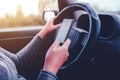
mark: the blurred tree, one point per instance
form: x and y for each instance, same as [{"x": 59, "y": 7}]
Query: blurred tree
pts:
[
  {"x": 19, "y": 12},
  {"x": 31, "y": 20},
  {"x": 41, "y": 8}
]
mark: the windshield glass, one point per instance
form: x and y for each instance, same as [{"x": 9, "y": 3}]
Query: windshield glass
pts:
[
  {"x": 22, "y": 13},
  {"x": 104, "y": 5}
]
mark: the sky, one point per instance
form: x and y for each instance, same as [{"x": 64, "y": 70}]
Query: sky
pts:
[
  {"x": 10, "y": 6},
  {"x": 105, "y": 4}
]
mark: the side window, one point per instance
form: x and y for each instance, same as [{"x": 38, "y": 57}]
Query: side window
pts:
[{"x": 24, "y": 13}]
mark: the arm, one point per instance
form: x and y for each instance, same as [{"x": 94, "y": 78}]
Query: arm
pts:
[
  {"x": 55, "y": 57},
  {"x": 30, "y": 56},
  {"x": 28, "y": 59}
]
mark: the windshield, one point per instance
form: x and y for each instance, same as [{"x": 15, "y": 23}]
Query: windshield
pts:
[
  {"x": 21, "y": 13},
  {"x": 104, "y": 5}
]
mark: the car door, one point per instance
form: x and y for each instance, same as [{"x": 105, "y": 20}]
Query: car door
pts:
[{"x": 15, "y": 39}]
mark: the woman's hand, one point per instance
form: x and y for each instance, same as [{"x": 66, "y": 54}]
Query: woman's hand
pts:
[
  {"x": 56, "y": 56},
  {"x": 49, "y": 27}
]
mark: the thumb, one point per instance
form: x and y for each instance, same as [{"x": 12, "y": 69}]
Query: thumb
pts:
[
  {"x": 55, "y": 44},
  {"x": 66, "y": 43}
]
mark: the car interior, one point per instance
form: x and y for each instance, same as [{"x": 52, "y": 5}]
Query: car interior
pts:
[{"x": 94, "y": 50}]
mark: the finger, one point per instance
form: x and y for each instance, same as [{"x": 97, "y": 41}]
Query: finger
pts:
[
  {"x": 57, "y": 26},
  {"x": 66, "y": 43},
  {"x": 54, "y": 17},
  {"x": 51, "y": 20},
  {"x": 55, "y": 44}
]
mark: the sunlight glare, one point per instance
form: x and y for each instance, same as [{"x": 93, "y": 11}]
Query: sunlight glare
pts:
[{"x": 10, "y": 7}]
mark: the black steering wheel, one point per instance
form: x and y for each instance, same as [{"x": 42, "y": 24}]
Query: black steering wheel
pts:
[{"x": 89, "y": 37}]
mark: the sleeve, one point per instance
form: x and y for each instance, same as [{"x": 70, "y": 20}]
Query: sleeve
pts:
[
  {"x": 3, "y": 72},
  {"x": 45, "y": 75},
  {"x": 29, "y": 59},
  {"x": 8, "y": 70},
  {"x": 31, "y": 52}
]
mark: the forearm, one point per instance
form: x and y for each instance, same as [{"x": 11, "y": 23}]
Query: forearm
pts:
[{"x": 30, "y": 59}]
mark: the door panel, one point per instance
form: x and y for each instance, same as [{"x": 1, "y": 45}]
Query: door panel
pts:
[{"x": 15, "y": 39}]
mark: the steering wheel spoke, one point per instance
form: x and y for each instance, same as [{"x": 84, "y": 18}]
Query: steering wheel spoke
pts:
[{"x": 77, "y": 36}]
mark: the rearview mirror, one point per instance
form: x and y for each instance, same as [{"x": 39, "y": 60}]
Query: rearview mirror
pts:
[{"x": 48, "y": 15}]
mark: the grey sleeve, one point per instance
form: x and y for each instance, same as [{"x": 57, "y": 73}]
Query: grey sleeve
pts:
[
  {"x": 8, "y": 72},
  {"x": 28, "y": 59},
  {"x": 33, "y": 49},
  {"x": 3, "y": 72},
  {"x": 28, "y": 54}
]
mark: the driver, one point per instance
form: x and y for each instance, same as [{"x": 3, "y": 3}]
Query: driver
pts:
[{"x": 27, "y": 60}]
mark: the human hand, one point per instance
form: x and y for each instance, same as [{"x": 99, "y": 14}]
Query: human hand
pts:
[
  {"x": 49, "y": 27},
  {"x": 56, "y": 56}
]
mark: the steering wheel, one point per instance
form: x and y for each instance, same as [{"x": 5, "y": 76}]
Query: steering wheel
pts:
[{"x": 74, "y": 32}]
